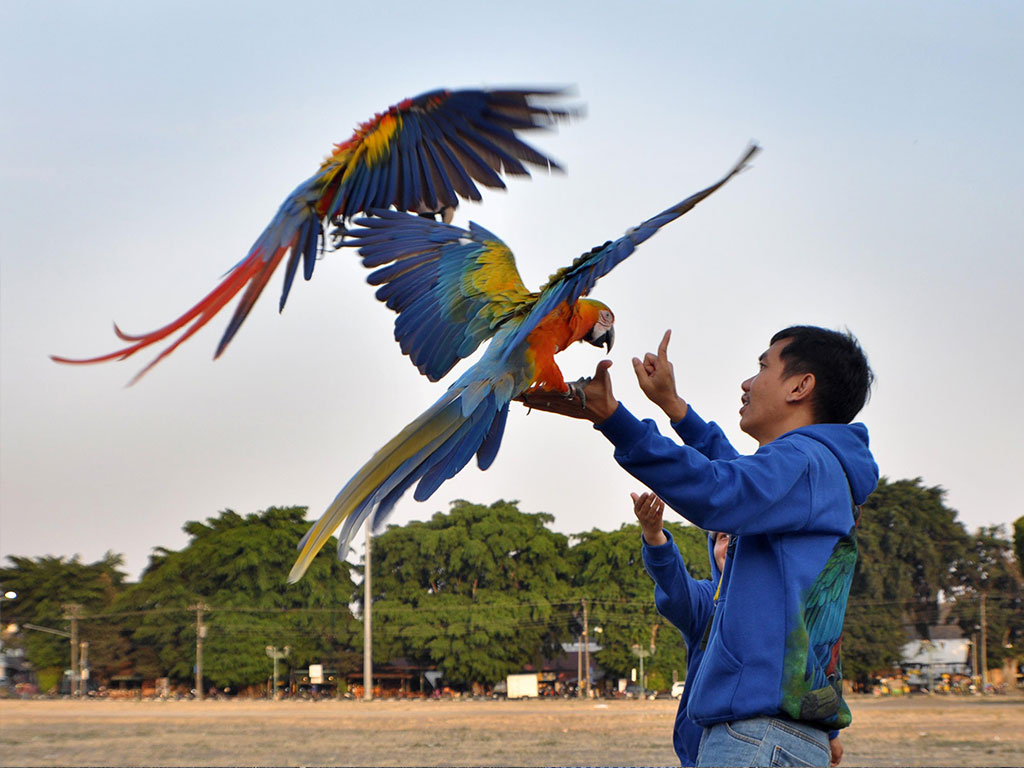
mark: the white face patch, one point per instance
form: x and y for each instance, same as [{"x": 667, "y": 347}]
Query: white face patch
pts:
[
  {"x": 603, "y": 332},
  {"x": 605, "y": 320}
]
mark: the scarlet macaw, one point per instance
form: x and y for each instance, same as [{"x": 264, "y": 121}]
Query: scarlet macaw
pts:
[
  {"x": 420, "y": 155},
  {"x": 453, "y": 288}
]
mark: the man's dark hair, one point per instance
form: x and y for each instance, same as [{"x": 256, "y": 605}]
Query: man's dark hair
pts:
[{"x": 841, "y": 372}]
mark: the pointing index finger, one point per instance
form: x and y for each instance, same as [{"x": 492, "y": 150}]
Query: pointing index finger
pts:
[{"x": 663, "y": 347}]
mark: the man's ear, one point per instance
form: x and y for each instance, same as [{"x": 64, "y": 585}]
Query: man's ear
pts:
[{"x": 802, "y": 388}]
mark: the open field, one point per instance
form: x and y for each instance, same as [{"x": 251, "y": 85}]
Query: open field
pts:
[{"x": 906, "y": 731}]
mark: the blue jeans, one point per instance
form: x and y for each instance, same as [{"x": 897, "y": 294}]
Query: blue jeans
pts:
[{"x": 763, "y": 741}]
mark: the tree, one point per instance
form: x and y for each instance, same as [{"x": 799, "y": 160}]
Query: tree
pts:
[
  {"x": 46, "y": 586},
  {"x": 988, "y": 574},
  {"x": 236, "y": 568},
  {"x": 610, "y": 574},
  {"x": 1018, "y": 542},
  {"x": 472, "y": 592},
  {"x": 907, "y": 539}
]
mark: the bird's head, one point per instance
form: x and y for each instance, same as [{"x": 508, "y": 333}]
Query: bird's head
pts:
[{"x": 600, "y": 321}]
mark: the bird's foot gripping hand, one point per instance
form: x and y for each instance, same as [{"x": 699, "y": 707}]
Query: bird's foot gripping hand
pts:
[
  {"x": 578, "y": 390},
  {"x": 588, "y": 398},
  {"x": 572, "y": 402},
  {"x": 574, "y": 397}
]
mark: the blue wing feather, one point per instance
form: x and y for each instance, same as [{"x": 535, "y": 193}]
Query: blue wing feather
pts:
[
  {"x": 421, "y": 267},
  {"x": 492, "y": 440},
  {"x": 492, "y": 156},
  {"x": 456, "y": 172},
  {"x": 461, "y": 448}
]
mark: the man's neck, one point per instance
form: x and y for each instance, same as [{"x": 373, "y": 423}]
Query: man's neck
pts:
[{"x": 778, "y": 430}]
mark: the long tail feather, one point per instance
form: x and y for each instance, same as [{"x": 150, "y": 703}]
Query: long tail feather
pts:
[
  {"x": 391, "y": 466},
  {"x": 430, "y": 450},
  {"x": 290, "y": 230},
  {"x": 201, "y": 314}
]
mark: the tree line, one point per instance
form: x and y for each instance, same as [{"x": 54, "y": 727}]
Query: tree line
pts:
[{"x": 479, "y": 592}]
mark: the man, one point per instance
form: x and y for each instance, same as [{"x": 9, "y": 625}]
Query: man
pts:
[{"x": 768, "y": 688}]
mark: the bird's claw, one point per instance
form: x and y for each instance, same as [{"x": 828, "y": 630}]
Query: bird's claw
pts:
[{"x": 577, "y": 389}]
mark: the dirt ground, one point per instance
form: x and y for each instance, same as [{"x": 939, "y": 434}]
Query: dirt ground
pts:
[{"x": 905, "y": 731}]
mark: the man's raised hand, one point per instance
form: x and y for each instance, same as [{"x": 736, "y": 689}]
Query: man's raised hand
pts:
[
  {"x": 650, "y": 511},
  {"x": 657, "y": 379}
]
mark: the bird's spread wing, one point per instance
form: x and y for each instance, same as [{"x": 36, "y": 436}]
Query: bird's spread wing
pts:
[
  {"x": 421, "y": 155},
  {"x": 426, "y": 152},
  {"x": 569, "y": 283},
  {"x": 452, "y": 288}
]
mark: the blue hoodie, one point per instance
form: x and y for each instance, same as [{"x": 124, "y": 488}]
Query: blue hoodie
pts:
[{"x": 772, "y": 646}]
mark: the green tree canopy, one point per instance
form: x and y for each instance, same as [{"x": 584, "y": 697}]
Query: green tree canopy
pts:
[
  {"x": 989, "y": 589},
  {"x": 236, "y": 567},
  {"x": 908, "y": 539},
  {"x": 481, "y": 591},
  {"x": 1018, "y": 542},
  {"x": 472, "y": 592},
  {"x": 48, "y": 587}
]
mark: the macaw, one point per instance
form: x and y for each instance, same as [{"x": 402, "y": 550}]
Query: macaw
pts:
[
  {"x": 453, "y": 289},
  {"x": 420, "y": 155}
]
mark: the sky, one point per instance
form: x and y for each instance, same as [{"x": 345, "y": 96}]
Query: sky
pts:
[{"x": 146, "y": 145}]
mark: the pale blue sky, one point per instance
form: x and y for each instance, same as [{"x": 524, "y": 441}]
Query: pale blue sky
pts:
[{"x": 143, "y": 147}]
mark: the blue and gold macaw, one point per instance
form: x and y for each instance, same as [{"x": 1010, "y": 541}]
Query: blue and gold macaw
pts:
[
  {"x": 453, "y": 289},
  {"x": 420, "y": 155}
]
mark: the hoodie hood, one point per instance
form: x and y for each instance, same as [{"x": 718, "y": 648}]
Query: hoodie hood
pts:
[
  {"x": 849, "y": 444},
  {"x": 715, "y": 573}
]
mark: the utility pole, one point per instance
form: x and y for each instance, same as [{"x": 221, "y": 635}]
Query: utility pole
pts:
[
  {"x": 367, "y": 623},
  {"x": 83, "y": 667},
  {"x": 579, "y": 666},
  {"x": 641, "y": 653},
  {"x": 984, "y": 644},
  {"x": 277, "y": 655},
  {"x": 72, "y": 612},
  {"x": 199, "y": 607},
  {"x": 586, "y": 649}
]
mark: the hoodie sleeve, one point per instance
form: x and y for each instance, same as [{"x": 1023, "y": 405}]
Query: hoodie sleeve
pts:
[
  {"x": 706, "y": 437},
  {"x": 680, "y": 598},
  {"x": 741, "y": 495}
]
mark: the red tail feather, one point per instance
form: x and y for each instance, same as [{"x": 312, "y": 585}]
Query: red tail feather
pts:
[{"x": 201, "y": 312}]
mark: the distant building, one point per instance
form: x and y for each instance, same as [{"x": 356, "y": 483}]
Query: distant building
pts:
[{"x": 945, "y": 652}]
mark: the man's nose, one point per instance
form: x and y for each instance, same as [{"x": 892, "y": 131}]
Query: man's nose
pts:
[{"x": 745, "y": 386}]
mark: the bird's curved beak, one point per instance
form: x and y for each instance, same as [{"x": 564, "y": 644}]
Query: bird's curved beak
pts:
[{"x": 606, "y": 339}]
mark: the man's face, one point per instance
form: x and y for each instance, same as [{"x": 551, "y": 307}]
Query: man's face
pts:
[
  {"x": 721, "y": 547},
  {"x": 764, "y": 394}
]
